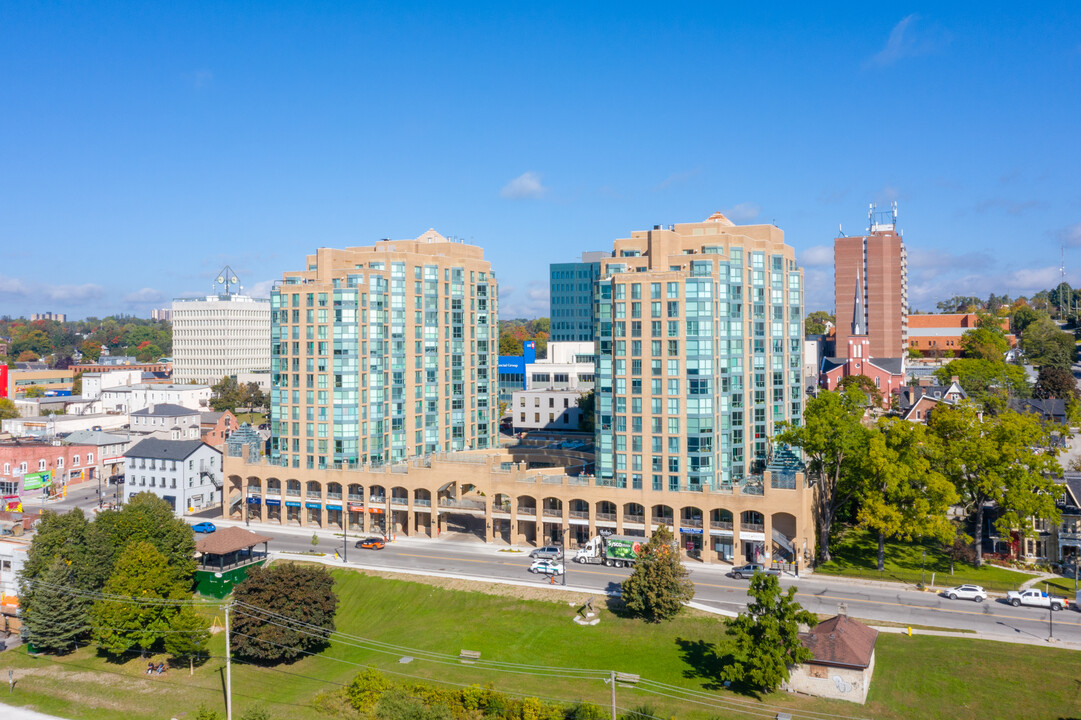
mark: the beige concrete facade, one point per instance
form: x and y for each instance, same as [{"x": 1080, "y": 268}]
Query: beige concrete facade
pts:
[
  {"x": 699, "y": 354},
  {"x": 508, "y": 502},
  {"x": 384, "y": 353}
]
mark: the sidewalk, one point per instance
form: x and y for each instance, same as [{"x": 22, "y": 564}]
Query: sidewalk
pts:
[
  {"x": 12, "y": 712},
  {"x": 1020, "y": 638}
]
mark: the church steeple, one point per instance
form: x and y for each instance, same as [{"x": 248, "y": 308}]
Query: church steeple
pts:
[{"x": 857, "y": 311}]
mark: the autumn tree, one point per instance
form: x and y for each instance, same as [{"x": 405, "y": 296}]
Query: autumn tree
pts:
[
  {"x": 833, "y": 441},
  {"x": 267, "y": 626},
  {"x": 8, "y": 410},
  {"x": 1001, "y": 460},
  {"x": 903, "y": 494},
  {"x": 767, "y": 635},
  {"x": 659, "y": 585}
]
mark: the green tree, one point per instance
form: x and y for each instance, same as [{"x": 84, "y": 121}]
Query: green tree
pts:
[
  {"x": 146, "y": 517},
  {"x": 57, "y": 618},
  {"x": 871, "y": 392},
  {"x": 1045, "y": 343},
  {"x": 767, "y": 635},
  {"x": 8, "y": 410},
  {"x": 904, "y": 496},
  {"x": 148, "y": 353},
  {"x": 1023, "y": 317},
  {"x": 147, "y": 592},
  {"x": 834, "y": 441},
  {"x": 985, "y": 343},
  {"x": 586, "y": 402},
  {"x": 70, "y": 537},
  {"x": 366, "y": 689},
  {"x": 959, "y": 304},
  {"x": 815, "y": 324},
  {"x": 998, "y": 459},
  {"x": 310, "y": 600},
  {"x": 987, "y": 382},
  {"x": 188, "y": 635},
  {"x": 32, "y": 340},
  {"x": 205, "y": 713},
  {"x": 659, "y": 585},
  {"x": 227, "y": 395},
  {"x": 35, "y": 391},
  {"x": 1055, "y": 382}
]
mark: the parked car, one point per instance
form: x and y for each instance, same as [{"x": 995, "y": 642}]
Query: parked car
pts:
[
  {"x": 1036, "y": 598},
  {"x": 548, "y": 552},
  {"x": 372, "y": 543},
  {"x": 546, "y": 567},
  {"x": 750, "y": 569},
  {"x": 966, "y": 592},
  {"x": 204, "y": 527}
]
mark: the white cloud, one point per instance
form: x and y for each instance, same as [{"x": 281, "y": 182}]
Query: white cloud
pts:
[
  {"x": 525, "y": 186},
  {"x": 909, "y": 38},
  {"x": 743, "y": 212},
  {"x": 1070, "y": 236},
  {"x": 146, "y": 295},
  {"x": 817, "y": 256},
  {"x": 260, "y": 289},
  {"x": 533, "y": 303}
]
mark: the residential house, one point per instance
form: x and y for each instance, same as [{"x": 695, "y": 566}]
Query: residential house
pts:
[
  {"x": 1050, "y": 410},
  {"x": 167, "y": 421},
  {"x": 216, "y": 427},
  {"x": 918, "y": 400},
  {"x": 184, "y": 473}
]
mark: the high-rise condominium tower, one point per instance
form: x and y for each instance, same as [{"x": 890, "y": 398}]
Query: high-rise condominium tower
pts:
[
  {"x": 699, "y": 332},
  {"x": 384, "y": 353}
]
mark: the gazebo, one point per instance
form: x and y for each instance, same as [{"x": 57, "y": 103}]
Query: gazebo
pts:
[{"x": 224, "y": 558}]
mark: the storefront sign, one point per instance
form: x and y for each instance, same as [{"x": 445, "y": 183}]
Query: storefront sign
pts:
[
  {"x": 353, "y": 507},
  {"x": 292, "y": 503},
  {"x": 375, "y": 511},
  {"x": 271, "y": 502},
  {"x": 33, "y": 481},
  {"x": 254, "y": 501},
  {"x": 333, "y": 507},
  {"x": 313, "y": 506},
  {"x": 690, "y": 531}
]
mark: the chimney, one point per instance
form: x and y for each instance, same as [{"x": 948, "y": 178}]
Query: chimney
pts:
[{"x": 955, "y": 379}]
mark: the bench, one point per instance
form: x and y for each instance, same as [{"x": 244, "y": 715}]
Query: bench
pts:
[{"x": 468, "y": 656}]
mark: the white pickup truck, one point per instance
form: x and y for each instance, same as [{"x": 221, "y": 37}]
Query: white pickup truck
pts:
[{"x": 1035, "y": 598}]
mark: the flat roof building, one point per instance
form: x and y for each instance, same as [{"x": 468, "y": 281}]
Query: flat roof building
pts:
[
  {"x": 219, "y": 335},
  {"x": 571, "y": 297}
]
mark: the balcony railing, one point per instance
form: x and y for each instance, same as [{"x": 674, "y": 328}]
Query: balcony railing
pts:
[
  {"x": 690, "y": 522},
  {"x": 553, "y": 512},
  {"x": 720, "y": 525},
  {"x": 634, "y": 518},
  {"x": 580, "y": 514},
  {"x": 606, "y": 516},
  {"x": 527, "y": 511},
  {"x": 752, "y": 527}
]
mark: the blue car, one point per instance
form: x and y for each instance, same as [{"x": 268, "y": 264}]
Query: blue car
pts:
[{"x": 204, "y": 527}]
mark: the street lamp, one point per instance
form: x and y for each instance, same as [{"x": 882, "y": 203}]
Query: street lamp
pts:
[{"x": 923, "y": 570}]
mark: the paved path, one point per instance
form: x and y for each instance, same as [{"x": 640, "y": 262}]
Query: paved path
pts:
[{"x": 10, "y": 712}]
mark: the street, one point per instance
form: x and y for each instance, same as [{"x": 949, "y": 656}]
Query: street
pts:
[{"x": 466, "y": 557}]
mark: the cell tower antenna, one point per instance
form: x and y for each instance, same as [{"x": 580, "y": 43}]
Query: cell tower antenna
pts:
[{"x": 226, "y": 282}]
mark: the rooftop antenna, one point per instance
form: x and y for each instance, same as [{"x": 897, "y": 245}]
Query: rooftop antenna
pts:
[{"x": 226, "y": 282}]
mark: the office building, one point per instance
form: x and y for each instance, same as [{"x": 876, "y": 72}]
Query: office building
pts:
[
  {"x": 877, "y": 264},
  {"x": 512, "y": 373},
  {"x": 221, "y": 334},
  {"x": 571, "y": 298},
  {"x": 940, "y": 334},
  {"x": 384, "y": 353},
  {"x": 700, "y": 355}
]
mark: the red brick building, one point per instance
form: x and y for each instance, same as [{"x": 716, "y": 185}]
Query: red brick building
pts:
[
  {"x": 216, "y": 427},
  {"x": 942, "y": 333},
  {"x": 876, "y": 264},
  {"x": 28, "y": 468}
]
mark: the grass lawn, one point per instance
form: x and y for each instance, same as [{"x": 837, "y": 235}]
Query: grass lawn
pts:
[
  {"x": 926, "y": 677},
  {"x": 255, "y": 418},
  {"x": 855, "y": 554}
]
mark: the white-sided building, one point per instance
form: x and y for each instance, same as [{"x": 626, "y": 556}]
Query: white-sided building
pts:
[
  {"x": 552, "y": 388},
  {"x": 95, "y": 383},
  {"x": 51, "y": 426},
  {"x": 187, "y": 474},
  {"x": 167, "y": 422},
  {"x": 219, "y": 335},
  {"x": 132, "y": 399}
]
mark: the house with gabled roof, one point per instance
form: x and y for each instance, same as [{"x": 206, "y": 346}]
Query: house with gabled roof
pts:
[
  {"x": 917, "y": 401},
  {"x": 843, "y": 662}
]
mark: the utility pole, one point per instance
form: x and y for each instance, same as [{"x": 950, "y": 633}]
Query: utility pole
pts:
[
  {"x": 612, "y": 680},
  {"x": 228, "y": 668}
]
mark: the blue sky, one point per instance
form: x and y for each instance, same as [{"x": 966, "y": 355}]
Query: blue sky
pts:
[{"x": 144, "y": 146}]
